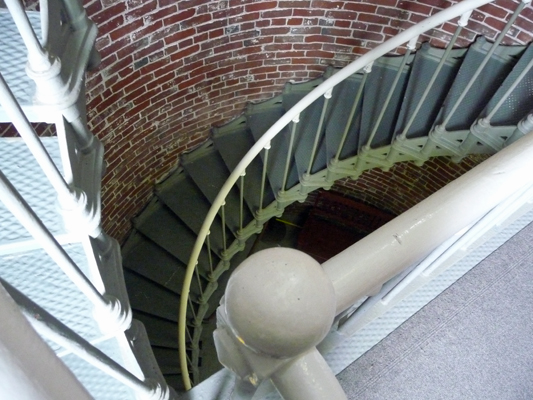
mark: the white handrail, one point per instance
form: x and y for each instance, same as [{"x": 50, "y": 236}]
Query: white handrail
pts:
[{"x": 454, "y": 11}]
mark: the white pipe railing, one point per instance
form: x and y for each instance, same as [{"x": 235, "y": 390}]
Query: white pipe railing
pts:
[
  {"x": 411, "y": 236},
  {"x": 463, "y": 7}
]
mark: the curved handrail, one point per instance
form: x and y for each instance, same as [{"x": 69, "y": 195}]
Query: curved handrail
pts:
[{"x": 459, "y": 9}]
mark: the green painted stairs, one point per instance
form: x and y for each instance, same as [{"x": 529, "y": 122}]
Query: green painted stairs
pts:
[{"x": 157, "y": 251}]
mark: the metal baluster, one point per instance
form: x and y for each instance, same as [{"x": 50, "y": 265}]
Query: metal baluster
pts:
[
  {"x": 263, "y": 179},
  {"x": 357, "y": 99},
  {"x": 190, "y": 338},
  {"x": 241, "y": 202},
  {"x": 190, "y": 304},
  {"x": 223, "y": 212},
  {"x": 295, "y": 122},
  {"x": 209, "y": 256},
  {"x": 327, "y": 96},
  {"x": 483, "y": 63},
  {"x": 410, "y": 47},
  {"x": 199, "y": 282},
  {"x": 52, "y": 329}
]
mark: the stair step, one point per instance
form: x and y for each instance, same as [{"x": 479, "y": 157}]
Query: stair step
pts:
[
  {"x": 377, "y": 89},
  {"x": 168, "y": 360},
  {"x": 485, "y": 86},
  {"x": 307, "y": 127},
  {"x": 424, "y": 65},
  {"x": 233, "y": 142},
  {"x": 176, "y": 381},
  {"x": 260, "y": 118},
  {"x": 163, "y": 227},
  {"x": 179, "y": 193},
  {"x": 341, "y": 105},
  {"x": 520, "y": 102},
  {"x": 151, "y": 298},
  {"x": 148, "y": 259},
  {"x": 206, "y": 167},
  {"x": 162, "y": 333}
]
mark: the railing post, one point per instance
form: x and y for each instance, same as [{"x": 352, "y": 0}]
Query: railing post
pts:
[{"x": 264, "y": 335}]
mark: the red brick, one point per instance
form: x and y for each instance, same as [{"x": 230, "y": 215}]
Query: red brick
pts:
[
  {"x": 262, "y": 5},
  {"x": 178, "y": 17},
  {"x": 107, "y": 14},
  {"x": 126, "y": 30},
  {"x": 294, "y": 4}
]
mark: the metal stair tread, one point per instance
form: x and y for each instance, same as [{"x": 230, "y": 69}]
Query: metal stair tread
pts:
[
  {"x": 485, "y": 86},
  {"x": 153, "y": 262},
  {"x": 36, "y": 275},
  {"x": 209, "y": 172},
  {"x": 306, "y": 128},
  {"x": 167, "y": 359},
  {"x": 425, "y": 63},
  {"x": 13, "y": 56},
  {"x": 23, "y": 171},
  {"x": 233, "y": 146},
  {"x": 520, "y": 102},
  {"x": 260, "y": 118},
  {"x": 179, "y": 193},
  {"x": 341, "y": 104},
  {"x": 376, "y": 90},
  {"x": 161, "y": 332},
  {"x": 144, "y": 294},
  {"x": 163, "y": 227}
]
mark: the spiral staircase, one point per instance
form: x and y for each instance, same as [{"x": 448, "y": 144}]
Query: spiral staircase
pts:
[
  {"x": 64, "y": 273},
  {"x": 374, "y": 119}
]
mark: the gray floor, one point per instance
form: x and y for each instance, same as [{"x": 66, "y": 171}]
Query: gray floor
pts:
[{"x": 474, "y": 341}]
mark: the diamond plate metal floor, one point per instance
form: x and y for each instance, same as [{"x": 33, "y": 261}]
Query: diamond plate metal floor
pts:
[
  {"x": 13, "y": 56},
  {"x": 20, "y": 167}
]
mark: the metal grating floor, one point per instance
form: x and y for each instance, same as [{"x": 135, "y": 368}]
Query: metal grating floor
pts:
[
  {"x": 23, "y": 171},
  {"x": 13, "y": 56},
  {"x": 100, "y": 385}
]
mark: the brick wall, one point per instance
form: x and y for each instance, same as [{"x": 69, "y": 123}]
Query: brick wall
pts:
[{"x": 172, "y": 69}]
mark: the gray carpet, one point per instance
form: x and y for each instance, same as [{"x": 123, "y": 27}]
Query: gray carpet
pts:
[{"x": 474, "y": 341}]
